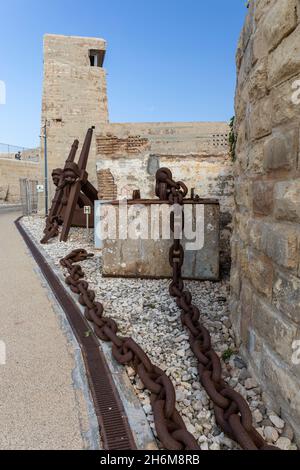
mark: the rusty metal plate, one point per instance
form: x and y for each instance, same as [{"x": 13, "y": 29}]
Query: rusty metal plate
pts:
[{"x": 148, "y": 258}]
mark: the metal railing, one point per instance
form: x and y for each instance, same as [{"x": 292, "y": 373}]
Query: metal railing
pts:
[
  {"x": 19, "y": 153},
  {"x": 29, "y": 196}
]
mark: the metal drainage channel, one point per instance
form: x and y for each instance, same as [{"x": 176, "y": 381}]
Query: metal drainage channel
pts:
[{"x": 113, "y": 422}]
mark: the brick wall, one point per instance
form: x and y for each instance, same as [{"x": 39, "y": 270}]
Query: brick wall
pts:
[
  {"x": 265, "y": 277},
  {"x": 107, "y": 186}
]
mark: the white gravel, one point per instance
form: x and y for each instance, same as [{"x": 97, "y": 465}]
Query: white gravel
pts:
[{"x": 144, "y": 310}]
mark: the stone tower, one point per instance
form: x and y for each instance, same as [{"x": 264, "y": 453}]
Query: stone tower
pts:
[{"x": 74, "y": 95}]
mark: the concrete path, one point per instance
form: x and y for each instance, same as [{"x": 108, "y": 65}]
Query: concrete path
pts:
[{"x": 44, "y": 402}]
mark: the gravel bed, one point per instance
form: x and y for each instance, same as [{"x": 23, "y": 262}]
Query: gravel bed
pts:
[{"x": 145, "y": 311}]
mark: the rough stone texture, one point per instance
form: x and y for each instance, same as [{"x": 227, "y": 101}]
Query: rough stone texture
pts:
[
  {"x": 74, "y": 96},
  {"x": 146, "y": 257},
  {"x": 196, "y": 153},
  {"x": 287, "y": 197},
  {"x": 10, "y": 173},
  {"x": 265, "y": 279}
]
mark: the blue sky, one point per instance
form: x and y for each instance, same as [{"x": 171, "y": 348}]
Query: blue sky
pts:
[{"x": 167, "y": 60}]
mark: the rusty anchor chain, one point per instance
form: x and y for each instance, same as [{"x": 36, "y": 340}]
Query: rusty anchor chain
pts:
[
  {"x": 170, "y": 427},
  {"x": 232, "y": 412}
]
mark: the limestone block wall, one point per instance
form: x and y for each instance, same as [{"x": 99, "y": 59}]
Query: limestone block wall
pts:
[
  {"x": 128, "y": 156},
  {"x": 10, "y": 173},
  {"x": 265, "y": 276},
  {"x": 74, "y": 96}
]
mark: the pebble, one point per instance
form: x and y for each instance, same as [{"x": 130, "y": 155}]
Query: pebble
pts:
[
  {"x": 239, "y": 363},
  {"x": 266, "y": 422},
  {"x": 278, "y": 423},
  {"x": 181, "y": 353},
  {"x": 250, "y": 384},
  {"x": 283, "y": 443},
  {"x": 204, "y": 446},
  {"x": 214, "y": 446},
  {"x": 144, "y": 311},
  {"x": 244, "y": 374},
  {"x": 130, "y": 371},
  {"x": 271, "y": 434},
  {"x": 257, "y": 416},
  {"x": 147, "y": 409},
  {"x": 139, "y": 384},
  {"x": 288, "y": 432},
  {"x": 180, "y": 339},
  {"x": 197, "y": 406}
]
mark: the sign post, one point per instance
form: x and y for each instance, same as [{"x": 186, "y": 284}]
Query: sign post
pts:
[{"x": 87, "y": 211}]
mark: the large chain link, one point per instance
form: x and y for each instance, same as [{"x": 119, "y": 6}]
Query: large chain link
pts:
[
  {"x": 232, "y": 412},
  {"x": 169, "y": 425},
  {"x": 54, "y": 221}
]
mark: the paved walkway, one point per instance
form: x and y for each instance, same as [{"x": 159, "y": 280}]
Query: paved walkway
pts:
[{"x": 42, "y": 405}]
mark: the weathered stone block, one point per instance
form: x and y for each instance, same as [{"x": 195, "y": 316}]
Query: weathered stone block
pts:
[
  {"x": 235, "y": 314},
  {"x": 239, "y": 53},
  {"x": 246, "y": 310},
  {"x": 284, "y": 61},
  {"x": 241, "y": 138},
  {"x": 277, "y": 241},
  {"x": 241, "y": 103},
  {"x": 263, "y": 197},
  {"x": 286, "y": 295},
  {"x": 287, "y": 200},
  {"x": 242, "y": 226},
  {"x": 258, "y": 80},
  {"x": 260, "y": 119},
  {"x": 243, "y": 259},
  {"x": 260, "y": 45},
  {"x": 279, "y": 333},
  {"x": 284, "y": 108},
  {"x": 255, "y": 233},
  {"x": 280, "y": 21},
  {"x": 280, "y": 243},
  {"x": 262, "y": 7},
  {"x": 254, "y": 348},
  {"x": 261, "y": 273},
  {"x": 255, "y": 158},
  {"x": 243, "y": 194},
  {"x": 280, "y": 150},
  {"x": 235, "y": 282},
  {"x": 285, "y": 386},
  {"x": 246, "y": 63}
]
